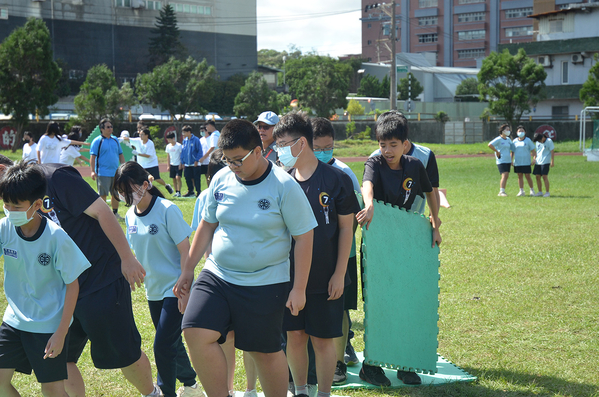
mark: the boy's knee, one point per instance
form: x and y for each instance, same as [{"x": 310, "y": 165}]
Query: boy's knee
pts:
[{"x": 54, "y": 389}]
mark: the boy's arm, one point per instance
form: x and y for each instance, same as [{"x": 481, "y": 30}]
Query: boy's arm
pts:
[
  {"x": 346, "y": 234},
  {"x": 183, "y": 248},
  {"x": 303, "y": 260},
  {"x": 168, "y": 161},
  {"x": 56, "y": 341},
  {"x": 200, "y": 243},
  {"x": 433, "y": 206},
  {"x": 365, "y": 215}
]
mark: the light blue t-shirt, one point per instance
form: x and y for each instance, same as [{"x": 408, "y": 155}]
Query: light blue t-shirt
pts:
[
  {"x": 522, "y": 149},
  {"x": 256, "y": 221},
  {"x": 153, "y": 235},
  {"x": 354, "y": 180},
  {"x": 504, "y": 146},
  {"x": 107, "y": 154},
  {"x": 544, "y": 152},
  {"x": 197, "y": 210},
  {"x": 36, "y": 273}
]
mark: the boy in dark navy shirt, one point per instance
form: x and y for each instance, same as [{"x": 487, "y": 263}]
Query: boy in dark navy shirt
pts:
[
  {"x": 395, "y": 178},
  {"x": 331, "y": 196}
]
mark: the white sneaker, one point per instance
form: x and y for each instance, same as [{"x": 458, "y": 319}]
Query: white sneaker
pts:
[
  {"x": 312, "y": 390},
  {"x": 502, "y": 194},
  {"x": 539, "y": 194},
  {"x": 532, "y": 192},
  {"x": 156, "y": 393},
  {"x": 520, "y": 194},
  {"x": 250, "y": 393},
  {"x": 546, "y": 194},
  {"x": 190, "y": 391}
]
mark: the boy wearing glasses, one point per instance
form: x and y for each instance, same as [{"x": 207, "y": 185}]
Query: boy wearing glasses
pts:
[
  {"x": 266, "y": 123},
  {"x": 105, "y": 157},
  {"x": 253, "y": 212}
]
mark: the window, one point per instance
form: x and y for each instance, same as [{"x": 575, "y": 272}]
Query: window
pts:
[
  {"x": 560, "y": 112},
  {"x": 153, "y": 5},
  {"x": 471, "y": 17},
  {"x": 518, "y": 13},
  {"x": 470, "y": 1},
  {"x": 428, "y": 3},
  {"x": 75, "y": 74},
  {"x": 428, "y": 21},
  {"x": 565, "y": 72},
  {"x": 471, "y": 35},
  {"x": 208, "y": 10},
  {"x": 369, "y": 42},
  {"x": 428, "y": 38},
  {"x": 518, "y": 31},
  {"x": 471, "y": 53},
  {"x": 556, "y": 23},
  {"x": 369, "y": 25},
  {"x": 123, "y": 3},
  {"x": 179, "y": 7},
  {"x": 3, "y": 13}
]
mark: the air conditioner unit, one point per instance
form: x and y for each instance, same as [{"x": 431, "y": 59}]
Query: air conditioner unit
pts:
[
  {"x": 544, "y": 60},
  {"x": 577, "y": 58},
  {"x": 138, "y": 4}
]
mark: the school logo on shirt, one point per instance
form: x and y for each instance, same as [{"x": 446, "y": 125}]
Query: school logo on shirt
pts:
[
  {"x": 219, "y": 196},
  {"x": 263, "y": 204},
  {"x": 11, "y": 253},
  {"x": 153, "y": 229},
  {"x": 408, "y": 183},
  {"x": 43, "y": 259},
  {"x": 132, "y": 229}
]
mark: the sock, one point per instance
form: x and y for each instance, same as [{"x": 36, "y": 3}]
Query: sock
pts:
[
  {"x": 301, "y": 390},
  {"x": 323, "y": 394},
  {"x": 532, "y": 191},
  {"x": 501, "y": 190},
  {"x": 522, "y": 190},
  {"x": 114, "y": 211}
]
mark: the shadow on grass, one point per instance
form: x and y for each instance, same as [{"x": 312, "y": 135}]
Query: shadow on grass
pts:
[{"x": 571, "y": 197}]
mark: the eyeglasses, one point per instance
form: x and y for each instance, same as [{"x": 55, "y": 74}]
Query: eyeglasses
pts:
[
  {"x": 326, "y": 149},
  {"x": 236, "y": 163},
  {"x": 107, "y": 127},
  {"x": 288, "y": 143},
  {"x": 265, "y": 126}
]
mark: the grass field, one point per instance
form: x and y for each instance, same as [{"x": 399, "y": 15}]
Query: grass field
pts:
[{"x": 518, "y": 303}]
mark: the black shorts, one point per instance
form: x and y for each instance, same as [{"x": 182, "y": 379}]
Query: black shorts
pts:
[
  {"x": 175, "y": 171},
  {"x": 154, "y": 171},
  {"x": 320, "y": 317},
  {"x": 24, "y": 351},
  {"x": 542, "y": 169},
  {"x": 522, "y": 169},
  {"x": 105, "y": 317},
  {"x": 350, "y": 293},
  {"x": 203, "y": 169},
  {"x": 504, "y": 167},
  {"x": 255, "y": 313}
]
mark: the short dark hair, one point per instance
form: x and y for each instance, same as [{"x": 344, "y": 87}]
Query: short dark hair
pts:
[
  {"x": 28, "y": 133},
  {"x": 239, "y": 133},
  {"x": 295, "y": 124},
  {"x": 74, "y": 136},
  {"x": 171, "y": 135},
  {"x": 22, "y": 182},
  {"x": 131, "y": 173},
  {"x": 5, "y": 161},
  {"x": 53, "y": 128},
  {"x": 216, "y": 164},
  {"x": 148, "y": 133},
  {"x": 322, "y": 127},
  {"x": 538, "y": 137},
  {"x": 140, "y": 125},
  {"x": 77, "y": 129},
  {"x": 392, "y": 124},
  {"x": 186, "y": 128},
  {"x": 520, "y": 127},
  {"x": 503, "y": 127},
  {"x": 104, "y": 121},
  {"x": 211, "y": 122}
]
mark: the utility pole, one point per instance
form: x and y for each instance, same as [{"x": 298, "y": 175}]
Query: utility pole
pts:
[{"x": 393, "y": 71}]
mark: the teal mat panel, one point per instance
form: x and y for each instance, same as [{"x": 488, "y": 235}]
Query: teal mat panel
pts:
[
  {"x": 446, "y": 373},
  {"x": 401, "y": 278}
]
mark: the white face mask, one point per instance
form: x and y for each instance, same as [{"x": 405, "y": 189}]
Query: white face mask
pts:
[
  {"x": 521, "y": 134},
  {"x": 136, "y": 196},
  {"x": 18, "y": 218},
  {"x": 506, "y": 133}
]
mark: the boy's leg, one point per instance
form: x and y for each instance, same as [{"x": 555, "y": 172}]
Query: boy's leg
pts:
[
  {"x": 521, "y": 180},
  {"x": 6, "y": 387},
  {"x": 297, "y": 356},
  {"x": 251, "y": 372},
  {"x": 197, "y": 178},
  {"x": 272, "y": 370},
  {"x": 326, "y": 360},
  {"x": 529, "y": 180},
  {"x": 229, "y": 350},
  {"x": 54, "y": 389},
  {"x": 546, "y": 179},
  {"x": 208, "y": 360},
  {"x": 188, "y": 173}
]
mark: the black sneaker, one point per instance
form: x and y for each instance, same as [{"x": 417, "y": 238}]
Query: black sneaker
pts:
[
  {"x": 409, "y": 378},
  {"x": 340, "y": 373},
  {"x": 169, "y": 189},
  {"x": 350, "y": 355},
  {"x": 189, "y": 194},
  {"x": 374, "y": 375}
]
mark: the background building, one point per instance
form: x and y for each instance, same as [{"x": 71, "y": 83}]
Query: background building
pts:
[
  {"x": 117, "y": 32},
  {"x": 456, "y": 32}
]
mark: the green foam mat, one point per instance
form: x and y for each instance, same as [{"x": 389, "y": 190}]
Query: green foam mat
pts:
[
  {"x": 401, "y": 290},
  {"x": 446, "y": 373}
]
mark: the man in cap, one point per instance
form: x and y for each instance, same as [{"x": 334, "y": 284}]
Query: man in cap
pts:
[{"x": 265, "y": 124}]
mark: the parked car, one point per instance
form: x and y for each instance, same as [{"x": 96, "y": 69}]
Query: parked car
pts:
[
  {"x": 147, "y": 117},
  {"x": 213, "y": 116}
]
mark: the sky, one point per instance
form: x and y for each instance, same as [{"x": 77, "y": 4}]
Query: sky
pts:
[{"x": 325, "y": 26}]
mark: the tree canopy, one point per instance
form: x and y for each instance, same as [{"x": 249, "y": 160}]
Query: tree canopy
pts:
[
  {"x": 404, "y": 90},
  {"x": 511, "y": 84},
  {"x": 178, "y": 87},
  {"x": 589, "y": 93},
  {"x": 28, "y": 75},
  {"x": 370, "y": 86},
  {"x": 166, "y": 38},
  {"x": 274, "y": 58},
  {"x": 254, "y": 98},
  {"x": 467, "y": 90}
]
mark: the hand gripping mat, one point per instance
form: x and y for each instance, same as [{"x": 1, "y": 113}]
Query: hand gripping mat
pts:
[{"x": 401, "y": 291}]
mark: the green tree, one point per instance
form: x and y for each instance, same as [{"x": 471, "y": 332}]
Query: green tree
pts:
[
  {"x": 166, "y": 38},
  {"x": 467, "y": 90},
  {"x": 403, "y": 88},
  {"x": 281, "y": 103},
  {"x": 28, "y": 75},
  {"x": 274, "y": 58},
  {"x": 178, "y": 87},
  {"x": 101, "y": 97},
  {"x": 254, "y": 98},
  {"x": 319, "y": 82},
  {"x": 354, "y": 108},
  {"x": 589, "y": 94},
  {"x": 370, "y": 86},
  {"x": 511, "y": 84},
  {"x": 385, "y": 87},
  {"x": 227, "y": 91}
]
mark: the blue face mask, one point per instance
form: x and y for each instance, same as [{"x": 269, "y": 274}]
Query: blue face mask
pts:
[
  {"x": 18, "y": 218},
  {"x": 286, "y": 157},
  {"x": 324, "y": 155}
]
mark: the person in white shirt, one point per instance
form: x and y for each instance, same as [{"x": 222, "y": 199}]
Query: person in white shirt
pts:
[
  {"x": 69, "y": 154},
  {"x": 51, "y": 143},
  {"x": 29, "y": 148},
  {"x": 174, "y": 166}
]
